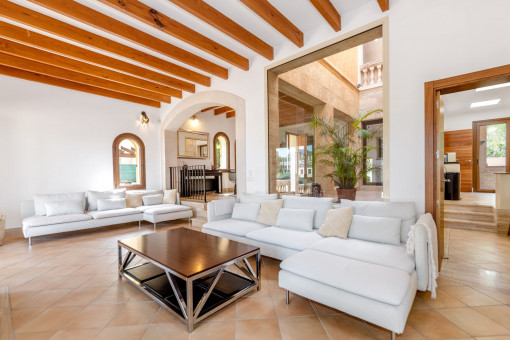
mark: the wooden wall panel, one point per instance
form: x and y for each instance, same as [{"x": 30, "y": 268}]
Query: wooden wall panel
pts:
[{"x": 461, "y": 142}]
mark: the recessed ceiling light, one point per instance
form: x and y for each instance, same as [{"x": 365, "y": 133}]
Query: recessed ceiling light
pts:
[
  {"x": 486, "y": 103},
  {"x": 486, "y": 88}
]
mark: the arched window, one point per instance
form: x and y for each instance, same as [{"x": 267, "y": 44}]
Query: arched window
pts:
[
  {"x": 128, "y": 162},
  {"x": 221, "y": 146}
]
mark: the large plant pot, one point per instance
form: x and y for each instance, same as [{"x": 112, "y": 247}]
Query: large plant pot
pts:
[{"x": 346, "y": 194}]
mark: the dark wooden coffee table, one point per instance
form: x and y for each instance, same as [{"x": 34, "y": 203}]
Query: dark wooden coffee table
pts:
[{"x": 185, "y": 271}]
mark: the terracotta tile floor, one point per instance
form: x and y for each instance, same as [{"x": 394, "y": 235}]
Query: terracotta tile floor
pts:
[{"x": 66, "y": 287}]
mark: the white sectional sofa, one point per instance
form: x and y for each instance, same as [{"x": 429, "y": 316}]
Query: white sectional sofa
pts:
[
  {"x": 374, "y": 281},
  {"x": 38, "y": 222}
]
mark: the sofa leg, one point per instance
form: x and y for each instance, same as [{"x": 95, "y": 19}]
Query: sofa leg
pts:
[
  {"x": 393, "y": 336},
  {"x": 29, "y": 241},
  {"x": 139, "y": 225},
  {"x": 154, "y": 226},
  {"x": 287, "y": 297},
  {"x": 189, "y": 222}
]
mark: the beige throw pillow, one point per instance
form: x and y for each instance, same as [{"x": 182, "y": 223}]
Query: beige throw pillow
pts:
[
  {"x": 170, "y": 197},
  {"x": 337, "y": 223},
  {"x": 269, "y": 210},
  {"x": 134, "y": 200}
]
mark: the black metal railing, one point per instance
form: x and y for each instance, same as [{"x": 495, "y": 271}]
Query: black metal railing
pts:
[{"x": 189, "y": 181}]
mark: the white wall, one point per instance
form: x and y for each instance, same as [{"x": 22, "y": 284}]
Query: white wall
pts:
[
  {"x": 54, "y": 140},
  {"x": 465, "y": 120},
  {"x": 428, "y": 40},
  {"x": 206, "y": 122}
]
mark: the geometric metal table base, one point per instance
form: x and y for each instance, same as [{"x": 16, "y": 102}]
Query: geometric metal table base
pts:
[{"x": 194, "y": 298}]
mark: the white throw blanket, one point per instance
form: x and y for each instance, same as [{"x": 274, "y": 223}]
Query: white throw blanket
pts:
[
  {"x": 224, "y": 206},
  {"x": 430, "y": 227}
]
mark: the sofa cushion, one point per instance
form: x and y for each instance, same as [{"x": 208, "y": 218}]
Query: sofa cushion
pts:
[
  {"x": 246, "y": 211},
  {"x": 234, "y": 227},
  {"x": 256, "y": 198},
  {"x": 134, "y": 200},
  {"x": 67, "y": 207},
  {"x": 165, "y": 209},
  {"x": 111, "y": 203},
  {"x": 170, "y": 196},
  {"x": 296, "y": 219},
  {"x": 37, "y": 221},
  {"x": 380, "y": 283},
  {"x": 406, "y": 211},
  {"x": 298, "y": 240},
  {"x": 152, "y": 199},
  {"x": 320, "y": 205},
  {"x": 41, "y": 200},
  {"x": 269, "y": 210},
  {"x": 377, "y": 253},
  {"x": 337, "y": 223},
  {"x": 92, "y": 196},
  {"x": 97, "y": 215},
  {"x": 376, "y": 229}
]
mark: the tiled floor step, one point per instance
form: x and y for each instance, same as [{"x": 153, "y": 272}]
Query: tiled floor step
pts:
[
  {"x": 469, "y": 215},
  {"x": 457, "y": 206},
  {"x": 470, "y": 225},
  {"x": 198, "y": 222}
]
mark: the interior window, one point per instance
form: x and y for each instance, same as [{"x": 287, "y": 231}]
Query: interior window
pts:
[
  {"x": 221, "y": 151},
  {"x": 128, "y": 162}
]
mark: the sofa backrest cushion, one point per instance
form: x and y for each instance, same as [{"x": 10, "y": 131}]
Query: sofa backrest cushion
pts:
[
  {"x": 320, "y": 205},
  {"x": 41, "y": 200},
  {"x": 406, "y": 211},
  {"x": 256, "y": 198},
  {"x": 296, "y": 219},
  {"x": 375, "y": 229},
  {"x": 110, "y": 204},
  {"x": 152, "y": 199},
  {"x": 92, "y": 197},
  {"x": 246, "y": 211},
  {"x": 67, "y": 207}
]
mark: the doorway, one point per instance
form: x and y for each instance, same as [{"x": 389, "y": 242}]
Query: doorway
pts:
[{"x": 434, "y": 136}]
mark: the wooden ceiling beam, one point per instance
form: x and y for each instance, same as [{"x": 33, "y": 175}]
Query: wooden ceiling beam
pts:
[
  {"x": 40, "y": 78},
  {"x": 48, "y": 58},
  {"x": 152, "y": 17},
  {"x": 224, "y": 24},
  {"x": 222, "y": 110},
  {"x": 45, "y": 23},
  {"x": 329, "y": 12},
  {"x": 209, "y": 108},
  {"x": 88, "y": 16},
  {"x": 31, "y": 38},
  {"x": 231, "y": 114},
  {"x": 384, "y": 4},
  {"x": 276, "y": 19},
  {"x": 57, "y": 72}
]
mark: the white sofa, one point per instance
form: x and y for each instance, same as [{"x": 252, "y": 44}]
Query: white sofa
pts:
[
  {"x": 376, "y": 282},
  {"x": 35, "y": 223}
]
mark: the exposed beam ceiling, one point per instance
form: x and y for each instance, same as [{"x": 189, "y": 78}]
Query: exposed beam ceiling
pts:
[
  {"x": 40, "y": 78},
  {"x": 328, "y": 11},
  {"x": 150, "y": 16},
  {"x": 86, "y": 15},
  {"x": 34, "y": 19},
  {"x": 27, "y": 37},
  {"x": 221, "y": 22},
  {"x": 209, "y": 108},
  {"x": 57, "y": 72},
  {"x": 223, "y": 109},
  {"x": 231, "y": 114},
  {"x": 384, "y": 4},
  {"x": 27, "y": 52},
  {"x": 276, "y": 19}
]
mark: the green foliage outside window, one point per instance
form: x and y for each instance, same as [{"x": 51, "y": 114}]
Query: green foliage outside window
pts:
[{"x": 496, "y": 140}]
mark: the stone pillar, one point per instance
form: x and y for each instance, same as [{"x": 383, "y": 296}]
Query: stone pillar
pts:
[
  {"x": 327, "y": 112},
  {"x": 273, "y": 128}
]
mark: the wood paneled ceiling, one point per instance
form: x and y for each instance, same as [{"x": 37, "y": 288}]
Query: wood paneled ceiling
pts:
[{"x": 130, "y": 51}]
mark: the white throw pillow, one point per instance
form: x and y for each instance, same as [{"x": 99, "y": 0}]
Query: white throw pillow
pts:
[
  {"x": 246, "y": 211},
  {"x": 64, "y": 207},
  {"x": 170, "y": 196},
  {"x": 92, "y": 196},
  {"x": 152, "y": 199},
  {"x": 376, "y": 229},
  {"x": 296, "y": 219},
  {"x": 41, "y": 200},
  {"x": 337, "y": 223},
  {"x": 269, "y": 210},
  {"x": 111, "y": 204}
]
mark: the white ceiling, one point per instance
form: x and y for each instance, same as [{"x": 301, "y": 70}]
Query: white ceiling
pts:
[{"x": 460, "y": 102}]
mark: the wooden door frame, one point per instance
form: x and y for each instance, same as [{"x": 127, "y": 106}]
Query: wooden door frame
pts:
[
  {"x": 460, "y": 83},
  {"x": 476, "y": 148}
]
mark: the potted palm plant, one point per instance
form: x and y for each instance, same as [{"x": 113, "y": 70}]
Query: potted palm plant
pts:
[{"x": 344, "y": 152}]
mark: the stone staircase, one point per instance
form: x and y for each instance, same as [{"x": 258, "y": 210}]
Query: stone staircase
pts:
[
  {"x": 470, "y": 216},
  {"x": 199, "y": 212}
]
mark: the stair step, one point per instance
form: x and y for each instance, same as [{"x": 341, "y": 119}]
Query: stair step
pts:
[
  {"x": 198, "y": 222},
  {"x": 469, "y": 215},
  {"x": 470, "y": 225},
  {"x": 468, "y": 207}
]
